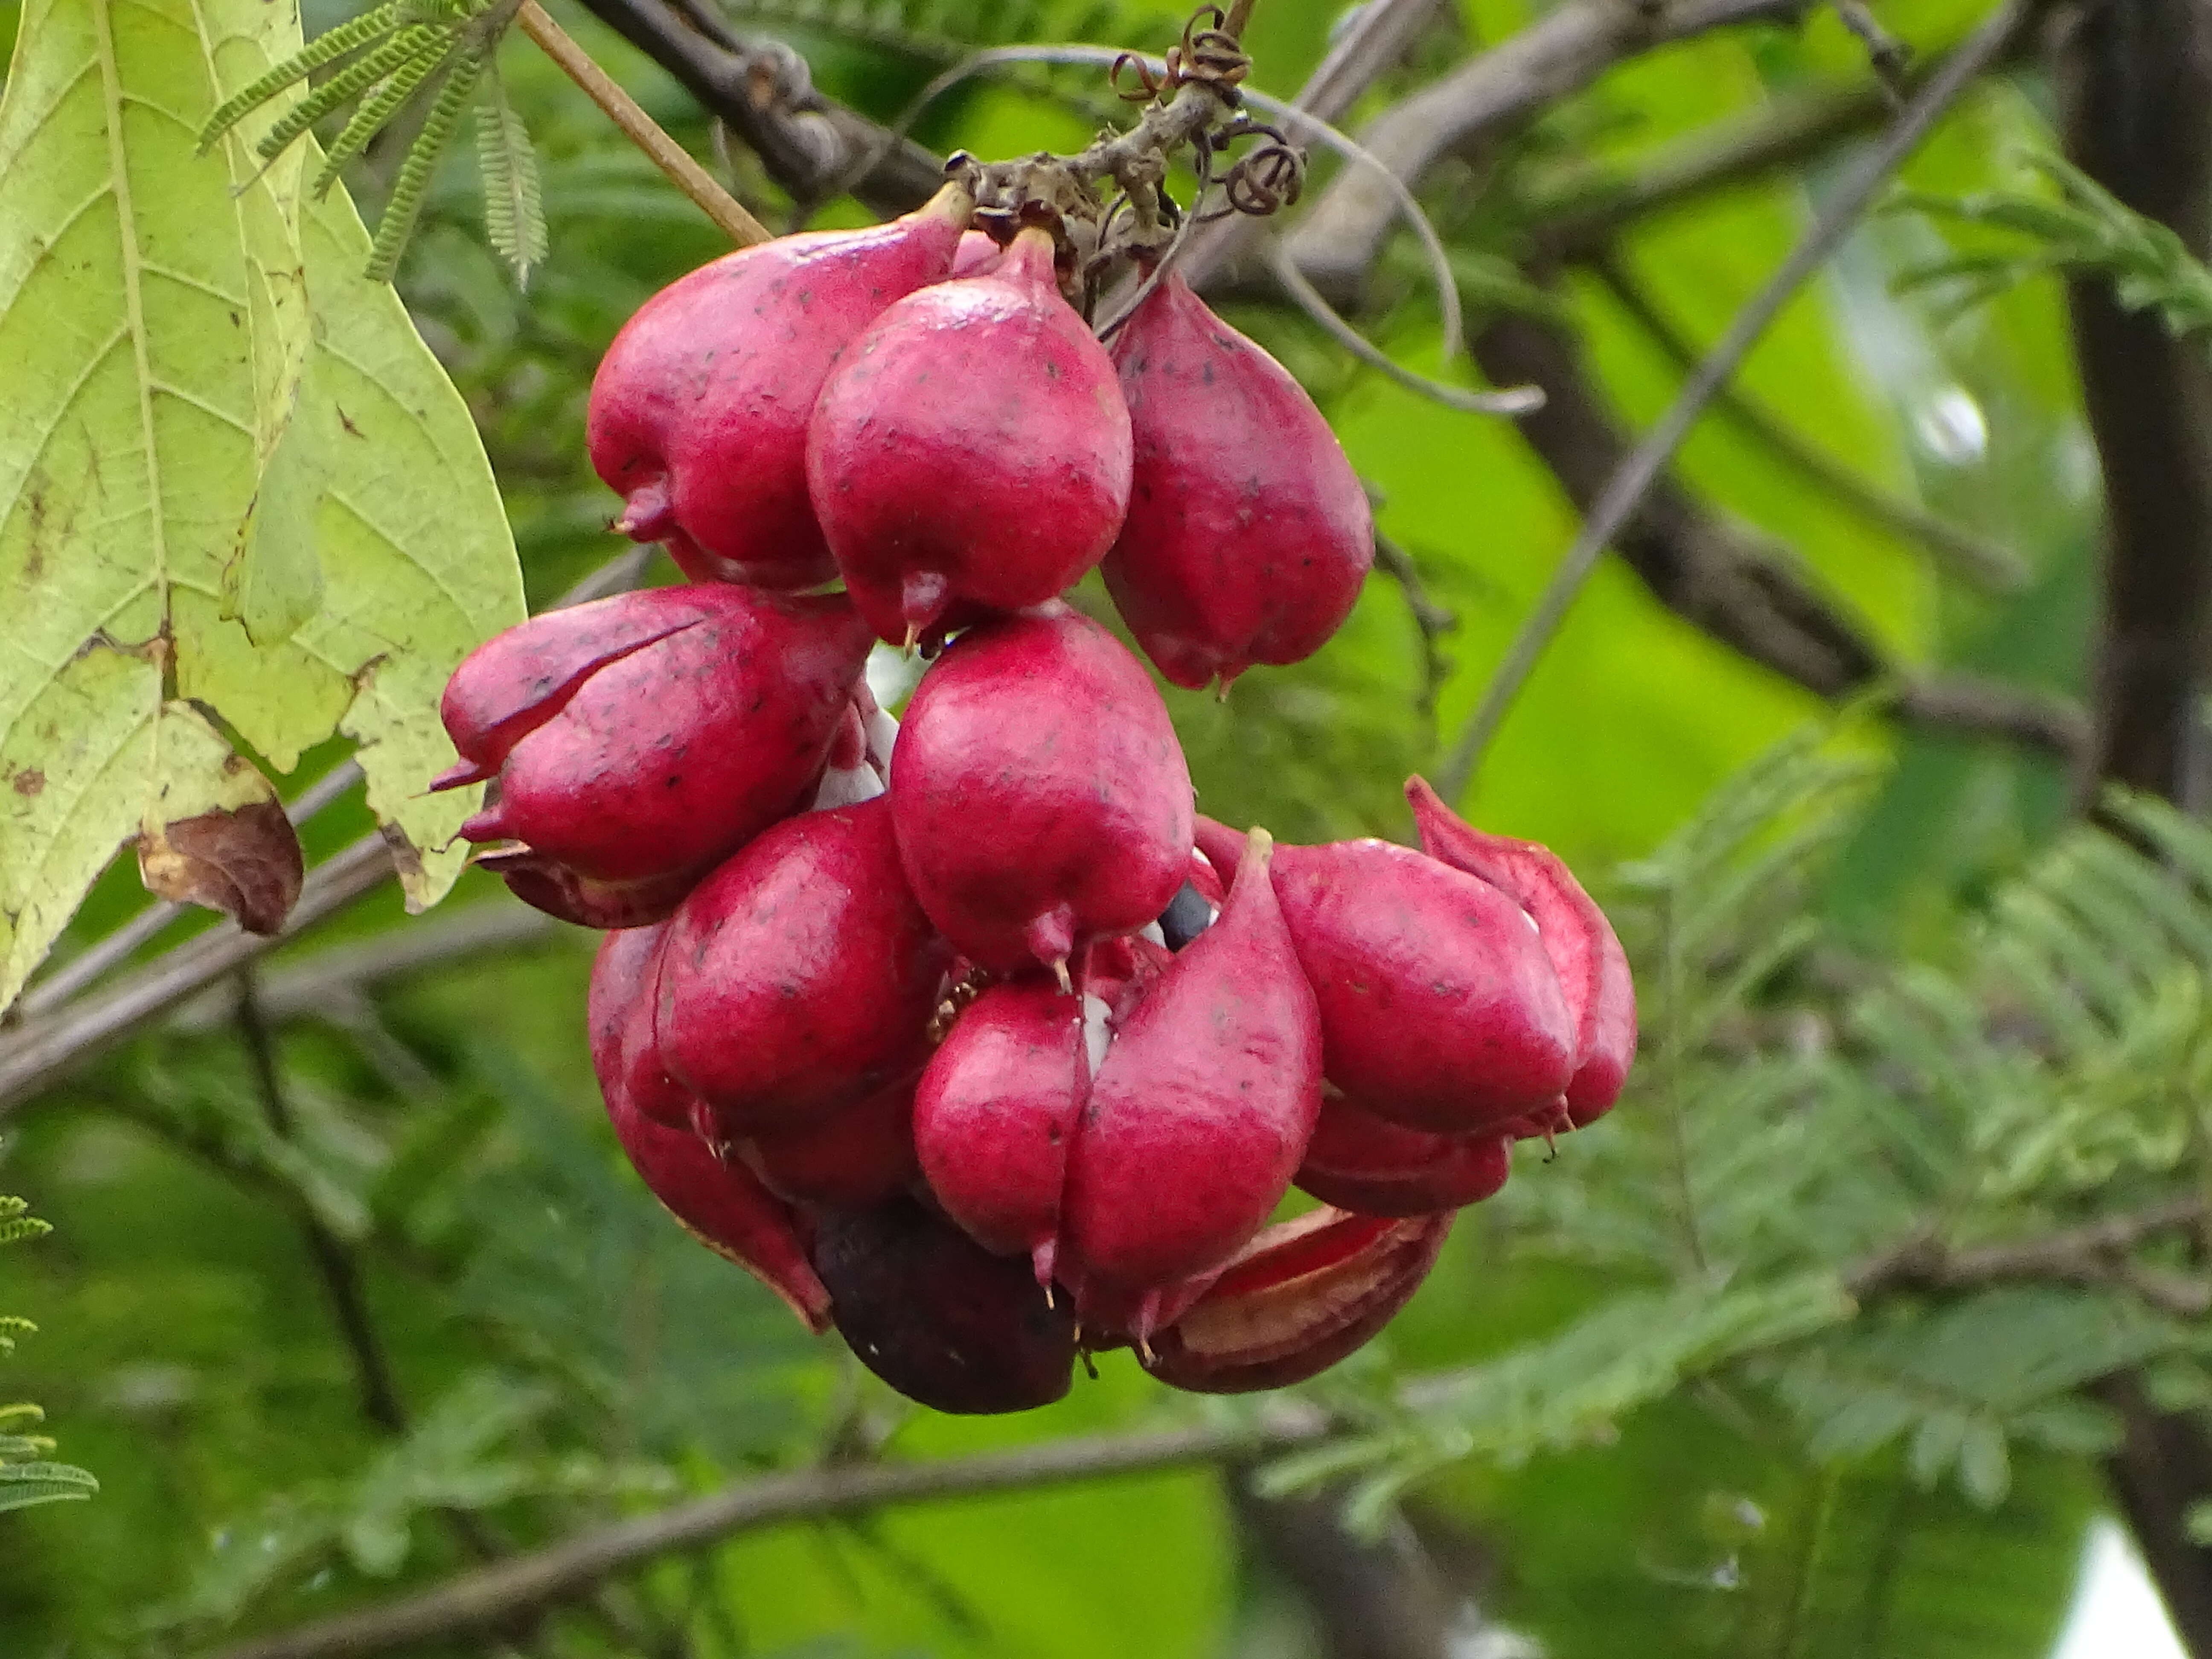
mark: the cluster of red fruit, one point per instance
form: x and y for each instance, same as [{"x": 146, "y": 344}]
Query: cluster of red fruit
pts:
[{"x": 968, "y": 1035}]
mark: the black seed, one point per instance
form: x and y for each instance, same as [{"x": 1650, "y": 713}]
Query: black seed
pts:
[{"x": 1187, "y": 917}]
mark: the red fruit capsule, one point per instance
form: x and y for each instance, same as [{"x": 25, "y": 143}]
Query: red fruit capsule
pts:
[
  {"x": 638, "y": 738},
  {"x": 995, "y": 1114},
  {"x": 721, "y": 1204},
  {"x": 1585, "y": 952},
  {"x": 1299, "y": 1297},
  {"x": 800, "y": 978},
  {"x": 1359, "y": 1161},
  {"x": 977, "y": 255},
  {"x": 1439, "y": 1008},
  {"x": 1199, "y": 1114},
  {"x": 970, "y": 452},
  {"x": 699, "y": 410},
  {"x": 1248, "y": 534},
  {"x": 1041, "y": 797},
  {"x": 859, "y": 1157}
]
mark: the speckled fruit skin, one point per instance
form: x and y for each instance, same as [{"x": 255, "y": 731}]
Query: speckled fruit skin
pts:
[
  {"x": 800, "y": 978},
  {"x": 624, "y": 998},
  {"x": 1359, "y": 1161},
  {"x": 1299, "y": 1298},
  {"x": 938, "y": 1317},
  {"x": 970, "y": 452},
  {"x": 1585, "y": 951},
  {"x": 1439, "y": 1009},
  {"x": 1248, "y": 534},
  {"x": 995, "y": 1114},
  {"x": 699, "y": 410},
  {"x": 1200, "y": 1116},
  {"x": 638, "y": 738},
  {"x": 1041, "y": 797},
  {"x": 721, "y": 1204},
  {"x": 859, "y": 1157}
]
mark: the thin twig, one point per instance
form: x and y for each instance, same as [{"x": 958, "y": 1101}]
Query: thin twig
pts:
[
  {"x": 1377, "y": 36},
  {"x": 1626, "y": 490},
  {"x": 1974, "y": 558},
  {"x": 2093, "y": 1254},
  {"x": 1492, "y": 94},
  {"x": 1888, "y": 54},
  {"x": 1509, "y": 400},
  {"x": 483, "y": 1599},
  {"x": 1167, "y": 125},
  {"x": 641, "y": 129},
  {"x": 334, "y": 1263},
  {"x": 325, "y": 980},
  {"x": 1430, "y": 619},
  {"x": 39, "y": 1052}
]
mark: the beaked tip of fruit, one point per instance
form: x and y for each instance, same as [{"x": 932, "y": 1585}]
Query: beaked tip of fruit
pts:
[
  {"x": 459, "y": 776},
  {"x": 647, "y": 515},
  {"x": 487, "y": 825}
]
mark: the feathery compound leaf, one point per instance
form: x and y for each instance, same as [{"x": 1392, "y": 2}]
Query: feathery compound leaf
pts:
[
  {"x": 405, "y": 207},
  {"x": 1572, "y": 1387},
  {"x": 372, "y": 114},
  {"x": 513, "y": 219},
  {"x": 2084, "y": 230},
  {"x": 349, "y": 82},
  {"x": 326, "y": 48},
  {"x": 23, "y": 1485},
  {"x": 1957, "y": 1383},
  {"x": 26, "y": 1476}
]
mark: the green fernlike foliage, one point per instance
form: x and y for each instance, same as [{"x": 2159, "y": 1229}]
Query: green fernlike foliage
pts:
[
  {"x": 1807, "y": 1132},
  {"x": 441, "y": 52},
  {"x": 2072, "y": 226},
  {"x": 29, "y": 1474}
]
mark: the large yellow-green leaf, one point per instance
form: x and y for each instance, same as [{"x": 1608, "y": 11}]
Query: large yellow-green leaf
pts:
[{"x": 230, "y": 472}]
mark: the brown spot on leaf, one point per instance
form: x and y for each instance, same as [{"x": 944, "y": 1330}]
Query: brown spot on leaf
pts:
[
  {"x": 29, "y": 782},
  {"x": 244, "y": 863}
]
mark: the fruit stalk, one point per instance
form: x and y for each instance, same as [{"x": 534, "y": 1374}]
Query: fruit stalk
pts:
[{"x": 641, "y": 128}]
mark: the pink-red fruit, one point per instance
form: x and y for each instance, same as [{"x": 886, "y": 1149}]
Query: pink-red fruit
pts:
[
  {"x": 1585, "y": 952},
  {"x": 1439, "y": 1009},
  {"x": 995, "y": 1114},
  {"x": 1041, "y": 797},
  {"x": 1199, "y": 1114},
  {"x": 800, "y": 978},
  {"x": 1300, "y": 1297},
  {"x": 858, "y": 1158},
  {"x": 1248, "y": 534},
  {"x": 721, "y": 1204},
  {"x": 699, "y": 411},
  {"x": 638, "y": 739},
  {"x": 970, "y": 452},
  {"x": 977, "y": 254},
  {"x": 938, "y": 1317},
  {"x": 1358, "y": 1160}
]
